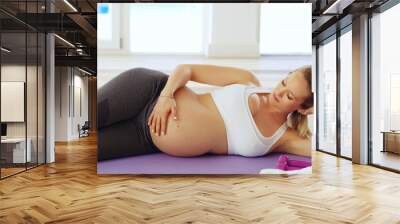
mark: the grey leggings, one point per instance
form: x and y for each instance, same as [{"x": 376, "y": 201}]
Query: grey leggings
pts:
[{"x": 124, "y": 105}]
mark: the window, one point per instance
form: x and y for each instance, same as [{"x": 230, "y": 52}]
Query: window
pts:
[
  {"x": 290, "y": 35},
  {"x": 385, "y": 88},
  {"x": 167, "y": 28},
  {"x": 394, "y": 101},
  {"x": 105, "y": 19},
  {"x": 327, "y": 97},
  {"x": 22, "y": 78},
  {"x": 346, "y": 94},
  {"x": 108, "y": 32}
]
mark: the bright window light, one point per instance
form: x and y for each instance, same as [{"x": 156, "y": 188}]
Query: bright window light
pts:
[
  {"x": 167, "y": 28},
  {"x": 394, "y": 93},
  {"x": 285, "y": 28},
  {"x": 390, "y": 68},
  {"x": 104, "y": 17},
  {"x": 327, "y": 98}
]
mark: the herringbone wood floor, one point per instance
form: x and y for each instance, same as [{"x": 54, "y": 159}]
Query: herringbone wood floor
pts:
[{"x": 70, "y": 191}]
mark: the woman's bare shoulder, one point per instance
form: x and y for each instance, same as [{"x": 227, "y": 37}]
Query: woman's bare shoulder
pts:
[
  {"x": 291, "y": 138},
  {"x": 292, "y": 134},
  {"x": 292, "y": 143}
]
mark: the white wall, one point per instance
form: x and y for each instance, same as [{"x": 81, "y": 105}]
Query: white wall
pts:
[
  {"x": 67, "y": 80},
  {"x": 61, "y": 103},
  {"x": 234, "y": 30},
  {"x": 33, "y": 126},
  {"x": 110, "y": 66},
  {"x": 14, "y": 73},
  {"x": 17, "y": 73},
  {"x": 80, "y": 83}
]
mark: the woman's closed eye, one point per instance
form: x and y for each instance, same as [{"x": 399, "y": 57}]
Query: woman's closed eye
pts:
[{"x": 288, "y": 95}]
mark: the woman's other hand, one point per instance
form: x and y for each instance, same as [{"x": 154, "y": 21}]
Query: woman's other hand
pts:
[{"x": 158, "y": 118}]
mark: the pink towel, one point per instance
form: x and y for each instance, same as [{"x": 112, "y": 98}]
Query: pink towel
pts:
[{"x": 284, "y": 163}]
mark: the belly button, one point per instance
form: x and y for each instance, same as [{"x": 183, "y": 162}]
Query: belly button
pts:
[{"x": 176, "y": 123}]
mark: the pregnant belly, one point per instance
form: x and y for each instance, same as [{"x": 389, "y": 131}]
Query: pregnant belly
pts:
[{"x": 199, "y": 128}]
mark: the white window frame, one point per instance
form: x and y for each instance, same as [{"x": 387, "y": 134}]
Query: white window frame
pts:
[{"x": 115, "y": 44}]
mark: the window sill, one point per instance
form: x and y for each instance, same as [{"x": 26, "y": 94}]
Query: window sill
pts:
[{"x": 166, "y": 63}]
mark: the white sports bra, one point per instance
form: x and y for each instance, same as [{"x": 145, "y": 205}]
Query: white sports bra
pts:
[{"x": 243, "y": 136}]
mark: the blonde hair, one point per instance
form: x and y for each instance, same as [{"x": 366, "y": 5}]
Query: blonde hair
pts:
[{"x": 298, "y": 121}]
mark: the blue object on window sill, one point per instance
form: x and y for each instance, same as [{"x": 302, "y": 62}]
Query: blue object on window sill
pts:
[{"x": 104, "y": 9}]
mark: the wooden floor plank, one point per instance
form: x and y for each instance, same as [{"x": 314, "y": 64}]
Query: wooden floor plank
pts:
[{"x": 70, "y": 191}]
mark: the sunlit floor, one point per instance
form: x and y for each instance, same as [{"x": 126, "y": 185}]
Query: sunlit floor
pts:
[
  {"x": 10, "y": 170},
  {"x": 386, "y": 159},
  {"x": 70, "y": 191}
]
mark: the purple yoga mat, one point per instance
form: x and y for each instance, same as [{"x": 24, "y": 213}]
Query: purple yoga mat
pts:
[{"x": 161, "y": 163}]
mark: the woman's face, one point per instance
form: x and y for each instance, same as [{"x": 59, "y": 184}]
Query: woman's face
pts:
[{"x": 290, "y": 93}]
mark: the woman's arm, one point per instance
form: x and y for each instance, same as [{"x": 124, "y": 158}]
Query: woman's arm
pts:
[
  {"x": 208, "y": 74},
  {"x": 292, "y": 143}
]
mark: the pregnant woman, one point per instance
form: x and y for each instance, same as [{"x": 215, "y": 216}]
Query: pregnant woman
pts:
[{"x": 144, "y": 111}]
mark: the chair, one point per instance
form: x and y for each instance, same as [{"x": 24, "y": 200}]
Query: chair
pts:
[{"x": 84, "y": 130}]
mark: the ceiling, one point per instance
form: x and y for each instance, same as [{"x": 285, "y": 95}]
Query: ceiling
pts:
[
  {"x": 332, "y": 15},
  {"x": 76, "y": 24}
]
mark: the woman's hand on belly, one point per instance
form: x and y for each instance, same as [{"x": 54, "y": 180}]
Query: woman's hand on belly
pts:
[
  {"x": 158, "y": 119},
  {"x": 200, "y": 129}
]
